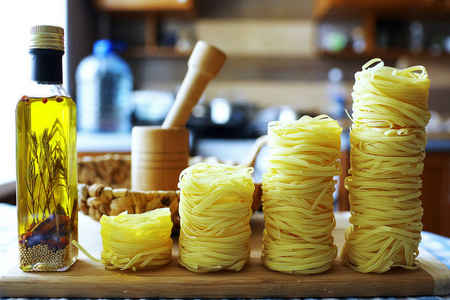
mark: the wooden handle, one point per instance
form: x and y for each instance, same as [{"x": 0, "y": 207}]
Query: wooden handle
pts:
[
  {"x": 253, "y": 154},
  {"x": 204, "y": 64}
]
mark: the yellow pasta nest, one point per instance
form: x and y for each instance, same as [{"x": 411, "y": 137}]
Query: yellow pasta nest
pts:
[
  {"x": 391, "y": 98},
  {"x": 136, "y": 241},
  {"x": 298, "y": 195},
  {"x": 388, "y": 142},
  {"x": 215, "y": 211}
]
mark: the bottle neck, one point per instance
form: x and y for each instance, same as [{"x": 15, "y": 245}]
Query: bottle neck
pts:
[{"x": 46, "y": 66}]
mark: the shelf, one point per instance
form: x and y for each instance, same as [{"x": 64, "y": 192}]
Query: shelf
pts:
[
  {"x": 371, "y": 12},
  {"x": 144, "y": 5},
  {"x": 155, "y": 51},
  {"x": 344, "y": 53},
  {"x": 343, "y": 8},
  {"x": 172, "y": 52},
  {"x": 384, "y": 54}
]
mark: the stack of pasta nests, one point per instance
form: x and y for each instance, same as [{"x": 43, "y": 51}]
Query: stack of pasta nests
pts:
[
  {"x": 298, "y": 195},
  {"x": 215, "y": 211},
  {"x": 388, "y": 142}
]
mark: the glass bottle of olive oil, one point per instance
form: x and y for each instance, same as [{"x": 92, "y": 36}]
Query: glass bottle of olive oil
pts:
[{"x": 46, "y": 160}]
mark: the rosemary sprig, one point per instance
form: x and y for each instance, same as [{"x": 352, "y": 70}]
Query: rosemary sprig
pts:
[{"x": 49, "y": 155}]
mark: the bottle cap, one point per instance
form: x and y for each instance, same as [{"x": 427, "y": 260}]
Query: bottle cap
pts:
[
  {"x": 47, "y": 37},
  {"x": 104, "y": 47}
]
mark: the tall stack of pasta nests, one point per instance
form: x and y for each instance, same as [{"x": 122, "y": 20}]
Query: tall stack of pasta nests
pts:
[
  {"x": 298, "y": 195},
  {"x": 388, "y": 140}
]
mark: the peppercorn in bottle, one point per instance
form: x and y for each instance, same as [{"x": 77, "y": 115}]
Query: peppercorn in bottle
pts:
[{"x": 46, "y": 160}]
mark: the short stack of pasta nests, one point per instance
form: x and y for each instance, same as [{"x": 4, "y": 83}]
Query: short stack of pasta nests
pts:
[{"x": 215, "y": 211}]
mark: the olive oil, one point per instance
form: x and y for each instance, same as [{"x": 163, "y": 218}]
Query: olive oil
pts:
[
  {"x": 46, "y": 162},
  {"x": 46, "y": 177}
]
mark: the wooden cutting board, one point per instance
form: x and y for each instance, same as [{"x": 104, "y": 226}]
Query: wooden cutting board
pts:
[{"x": 89, "y": 279}]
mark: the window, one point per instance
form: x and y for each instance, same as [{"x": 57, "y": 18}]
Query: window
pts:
[{"x": 16, "y": 18}]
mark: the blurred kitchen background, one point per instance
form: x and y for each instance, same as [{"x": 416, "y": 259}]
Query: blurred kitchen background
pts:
[{"x": 285, "y": 59}]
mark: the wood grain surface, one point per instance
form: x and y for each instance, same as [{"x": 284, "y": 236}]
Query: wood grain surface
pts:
[
  {"x": 89, "y": 279},
  {"x": 157, "y": 157}
]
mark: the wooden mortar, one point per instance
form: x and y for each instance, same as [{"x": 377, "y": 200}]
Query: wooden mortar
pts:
[{"x": 159, "y": 154}]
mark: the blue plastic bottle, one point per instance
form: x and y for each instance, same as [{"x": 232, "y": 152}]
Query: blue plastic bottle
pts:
[{"x": 104, "y": 86}]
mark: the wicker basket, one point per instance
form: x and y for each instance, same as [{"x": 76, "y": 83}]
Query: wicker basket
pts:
[
  {"x": 105, "y": 186},
  {"x": 97, "y": 200}
]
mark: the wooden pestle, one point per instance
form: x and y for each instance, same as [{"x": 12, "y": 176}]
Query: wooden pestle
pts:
[
  {"x": 159, "y": 154},
  {"x": 204, "y": 64}
]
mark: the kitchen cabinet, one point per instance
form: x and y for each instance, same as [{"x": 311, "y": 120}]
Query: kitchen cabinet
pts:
[
  {"x": 386, "y": 28},
  {"x": 436, "y": 193},
  {"x": 336, "y": 8},
  {"x": 144, "y": 5},
  {"x": 435, "y": 190},
  {"x": 153, "y": 29},
  {"x": 149, "y": 14}
]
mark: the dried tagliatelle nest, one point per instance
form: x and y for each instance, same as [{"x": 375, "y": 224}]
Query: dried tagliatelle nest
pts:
[{"x": 135, "y": 241}]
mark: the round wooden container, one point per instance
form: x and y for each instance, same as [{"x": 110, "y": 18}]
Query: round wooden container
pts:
[{"x": 157, "y": 157}]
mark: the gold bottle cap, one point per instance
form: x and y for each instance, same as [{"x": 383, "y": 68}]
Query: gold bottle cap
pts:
[{"x": 47, "y": 37}]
